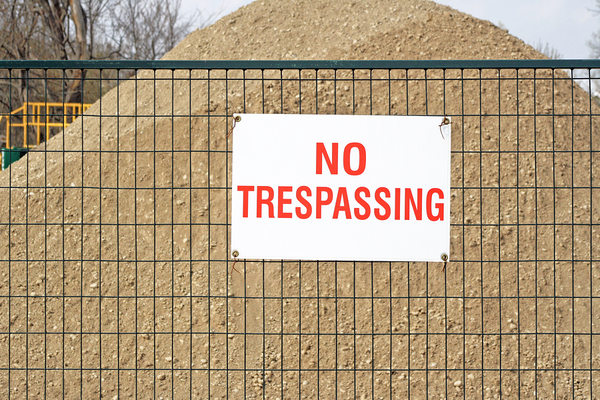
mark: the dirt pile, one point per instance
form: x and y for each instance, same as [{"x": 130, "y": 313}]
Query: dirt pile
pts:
[
  {"x": 350, "y": 30},
  {"x": 137, "y": 226}
]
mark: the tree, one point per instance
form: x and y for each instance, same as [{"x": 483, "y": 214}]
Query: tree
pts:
[
  {"x": 81, "y": 30},
  {"x": 147, "y": 29},
  {"x": 547, "y": 50},
  {"x": 594, "y": 44},
  {"x": 41, "y": 29}
]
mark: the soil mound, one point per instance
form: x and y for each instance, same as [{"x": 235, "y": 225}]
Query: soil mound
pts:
[
  {"x": 143, "y": 213},
  {"x": 350, "y": 30}
]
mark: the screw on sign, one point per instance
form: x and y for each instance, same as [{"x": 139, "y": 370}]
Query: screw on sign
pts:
[
  {"x": 236, "y": 119},
  {"x": 235, "y": 255},
  {"x": 445, "y": 122}
]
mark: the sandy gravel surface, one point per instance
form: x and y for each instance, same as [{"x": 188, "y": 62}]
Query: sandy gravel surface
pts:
[{"x": 114, "y": 266}]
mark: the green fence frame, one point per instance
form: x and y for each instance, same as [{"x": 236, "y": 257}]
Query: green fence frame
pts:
[{"x": 524, "y": 325}]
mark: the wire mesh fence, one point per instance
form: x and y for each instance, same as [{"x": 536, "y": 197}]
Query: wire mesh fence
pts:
[{"x": 116, "y": 274}]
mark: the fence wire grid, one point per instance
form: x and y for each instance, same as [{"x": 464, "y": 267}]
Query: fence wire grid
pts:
[{"x": 116, "y": 277}]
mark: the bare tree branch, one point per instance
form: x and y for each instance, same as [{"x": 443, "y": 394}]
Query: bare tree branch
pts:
[{"x": 83, "y": 29}]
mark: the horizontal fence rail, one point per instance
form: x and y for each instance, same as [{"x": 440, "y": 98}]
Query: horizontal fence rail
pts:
[{"x": 116, "y": 275}]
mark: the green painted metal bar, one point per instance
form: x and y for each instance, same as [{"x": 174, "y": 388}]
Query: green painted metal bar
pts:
[{"x": 300, "y": 64}]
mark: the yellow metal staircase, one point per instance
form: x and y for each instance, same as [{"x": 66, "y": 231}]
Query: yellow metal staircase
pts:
[{"x": 42, "y": 117}]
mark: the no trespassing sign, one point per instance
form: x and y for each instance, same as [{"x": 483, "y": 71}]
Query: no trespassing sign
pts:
[{"x": 341, "y": 187}]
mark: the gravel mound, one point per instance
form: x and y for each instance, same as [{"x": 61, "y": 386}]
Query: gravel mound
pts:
[{"x": 102, "y": 224}]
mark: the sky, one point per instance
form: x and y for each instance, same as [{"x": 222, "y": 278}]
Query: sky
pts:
[{"x": 565, "y": 25}]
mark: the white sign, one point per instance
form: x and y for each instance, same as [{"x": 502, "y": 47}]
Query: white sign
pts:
[{"x": 341, "y": 187}]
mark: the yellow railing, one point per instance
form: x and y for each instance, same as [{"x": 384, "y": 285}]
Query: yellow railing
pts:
[{"x": 42, "y": 116}]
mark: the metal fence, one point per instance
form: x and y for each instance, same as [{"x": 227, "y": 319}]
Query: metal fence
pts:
[{"x": 116, "y": 277}]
